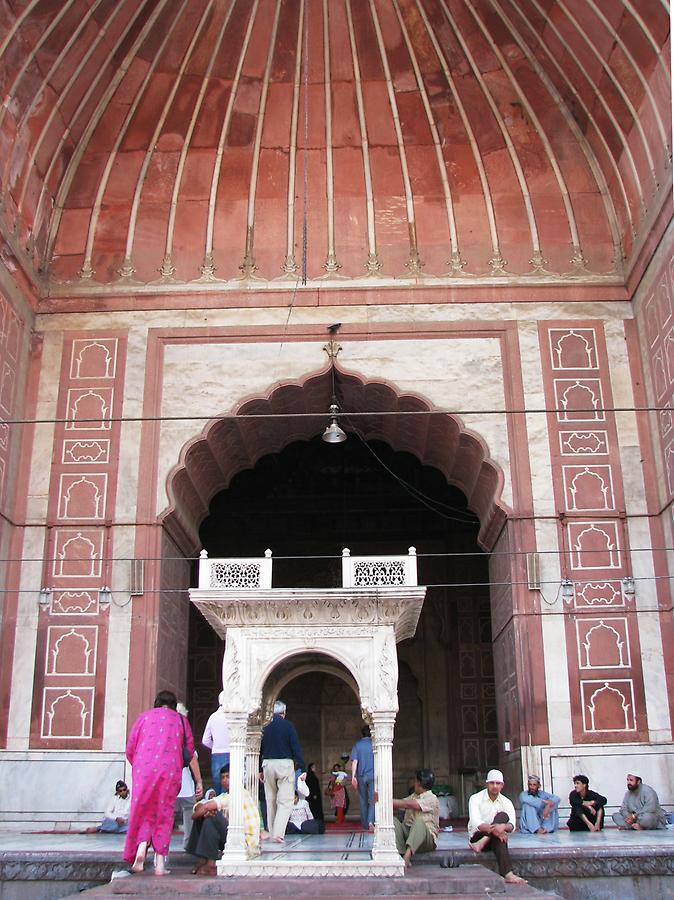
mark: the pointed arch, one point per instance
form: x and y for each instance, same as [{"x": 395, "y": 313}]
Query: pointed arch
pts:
[{"x": 297, "y": 411}]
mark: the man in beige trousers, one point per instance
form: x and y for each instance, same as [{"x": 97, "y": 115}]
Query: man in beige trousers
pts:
[{"x": 280, "y": 751}]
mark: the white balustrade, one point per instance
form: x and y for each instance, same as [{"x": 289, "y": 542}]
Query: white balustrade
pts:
[
  {"x": 379, "y": 571},
  {"x": 251, "y": 573}
]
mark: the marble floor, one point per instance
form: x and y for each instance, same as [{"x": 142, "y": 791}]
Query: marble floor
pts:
[{"x": 349, "y": 844}]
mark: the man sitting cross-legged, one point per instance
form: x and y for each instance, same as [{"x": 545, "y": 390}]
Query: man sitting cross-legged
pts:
[
  {"x": 491, "y": 818},
  {"x": 640, "y": 807},
  {"x": 209, "y": 829},
  {"x": 587, "y": 807},
  {"x": 418, "y": 831},
  {"x": 538, "y": 813}
]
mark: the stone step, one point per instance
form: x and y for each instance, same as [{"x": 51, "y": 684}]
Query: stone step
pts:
[{"x": 469, "y": 881}]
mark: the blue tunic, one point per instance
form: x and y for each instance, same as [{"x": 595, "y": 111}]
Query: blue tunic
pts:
[{"x": 531, "y": 812}]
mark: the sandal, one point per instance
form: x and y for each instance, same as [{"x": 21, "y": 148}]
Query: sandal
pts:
[{"x": 208, "y": 870}]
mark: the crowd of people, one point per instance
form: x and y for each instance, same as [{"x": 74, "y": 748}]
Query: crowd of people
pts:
[
  {"x": 492, "y": 815},
  {"x": 167, "y": 781}
]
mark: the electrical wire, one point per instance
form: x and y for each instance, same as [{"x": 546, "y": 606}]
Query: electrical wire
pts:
[
  {"x": 414, "y": 491},
  {"x": 222, "y": 417},
  {"x": 458, "y": 554}
]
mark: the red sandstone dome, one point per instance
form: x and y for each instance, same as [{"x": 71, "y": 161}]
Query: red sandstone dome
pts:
[{"x": 184, "y": 141}]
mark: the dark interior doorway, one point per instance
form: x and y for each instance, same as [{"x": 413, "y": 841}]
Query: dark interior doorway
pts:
[{"x": 310, "y": 501}]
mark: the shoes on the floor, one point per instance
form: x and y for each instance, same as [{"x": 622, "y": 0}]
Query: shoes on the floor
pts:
[{"x": 449, "y": 861}]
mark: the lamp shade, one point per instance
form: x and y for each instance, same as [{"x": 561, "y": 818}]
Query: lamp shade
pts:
[{"x": 333, "y": 434}]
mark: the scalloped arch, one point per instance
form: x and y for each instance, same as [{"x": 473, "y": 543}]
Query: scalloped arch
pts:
[{"x": 235, "y": 443}]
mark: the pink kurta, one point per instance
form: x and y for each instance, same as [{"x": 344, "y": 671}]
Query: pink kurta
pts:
[{"x": 154, "y": 749}]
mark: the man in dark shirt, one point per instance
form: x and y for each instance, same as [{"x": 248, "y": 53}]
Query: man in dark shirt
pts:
[
  {"x": 280, "y": 750},
  {"x": 587, "y": 807}
]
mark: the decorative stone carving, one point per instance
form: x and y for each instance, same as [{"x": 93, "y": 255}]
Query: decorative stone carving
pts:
[
  {"x": 387, "y": 672},
  {"x": 335, "y": 608},
  {"x": 310, "y": 869}
]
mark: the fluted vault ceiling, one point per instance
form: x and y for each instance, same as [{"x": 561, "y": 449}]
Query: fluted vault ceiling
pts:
[{"x": 194, "y": 141}]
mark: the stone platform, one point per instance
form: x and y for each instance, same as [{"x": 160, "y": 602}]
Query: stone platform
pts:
[{"x": 603, "y": 866}]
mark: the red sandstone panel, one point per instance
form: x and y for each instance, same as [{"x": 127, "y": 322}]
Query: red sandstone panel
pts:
[
  {"x": 369, "y": 57},
  {"x": 149, "y": 242},
  {"x": 657, "y": 324},
  {"x": 283, "y": 63},
  {"x": 341, "y": 61},
  {"x": 72, "y": 631},
  {"x": 209, "y": 123},
  {"x": 174, "y": 130},
  {"x": 276, "y": 130},
  {"x": 229, "y": 245},
  {"x": 605, "y": 678},
  {"x": 189, "y": 238}
]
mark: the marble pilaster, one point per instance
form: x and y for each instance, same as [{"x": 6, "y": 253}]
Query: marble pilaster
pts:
[
  {"x": 384, "y": 846},
  {"x": 235, "y": 848}
]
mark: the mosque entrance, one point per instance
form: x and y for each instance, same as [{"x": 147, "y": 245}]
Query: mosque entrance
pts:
[{"x": 307, "y": 503}]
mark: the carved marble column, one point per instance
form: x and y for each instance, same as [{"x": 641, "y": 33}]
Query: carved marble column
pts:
[
  {"x": 384, "y": 846},
  {"x": 253, "y": 742},
  {"x": 235, "y": 848}
]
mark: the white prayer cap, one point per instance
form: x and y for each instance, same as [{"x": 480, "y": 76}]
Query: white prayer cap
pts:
[
  {"x": 533, "y": 778},
  {"x": 495, "y": 775}
]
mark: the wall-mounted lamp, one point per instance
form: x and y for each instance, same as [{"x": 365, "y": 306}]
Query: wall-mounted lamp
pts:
[
  {"x": 44, "y": 596},
  {"x": 568, "y": 589},
  {"x": 333, "y": 434},
  {"x": 104, "y": 596},
  {"x": 629, "y": 587}
]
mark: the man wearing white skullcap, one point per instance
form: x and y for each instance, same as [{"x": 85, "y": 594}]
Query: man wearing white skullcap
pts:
[{"x": 491, "y": 818}]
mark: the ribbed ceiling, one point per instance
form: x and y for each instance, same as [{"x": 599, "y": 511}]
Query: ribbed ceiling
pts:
[{"x": 186, "y": 141}]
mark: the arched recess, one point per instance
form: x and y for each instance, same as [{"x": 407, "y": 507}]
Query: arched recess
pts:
[
  {"x": 297, "y": 411},
  {"x": 304, "y": 664},
  {"x": 325, "y": 730},
  {"x": 291, "y": 412}
]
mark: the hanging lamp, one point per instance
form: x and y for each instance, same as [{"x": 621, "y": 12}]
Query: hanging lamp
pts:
[{"x": 333, "y": 434}]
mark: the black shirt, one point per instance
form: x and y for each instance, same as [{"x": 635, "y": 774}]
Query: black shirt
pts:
[{"x": 577, "y": 808}]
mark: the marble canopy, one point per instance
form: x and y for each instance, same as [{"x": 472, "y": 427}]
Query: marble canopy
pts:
[{"x": 356, "y": 627}]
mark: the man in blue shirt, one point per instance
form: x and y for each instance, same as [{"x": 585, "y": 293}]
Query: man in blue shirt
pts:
[
  {"x": 538, "y": 813},
  {"x": 280, "y": 749},
  {"x": 362, "y": 777}
]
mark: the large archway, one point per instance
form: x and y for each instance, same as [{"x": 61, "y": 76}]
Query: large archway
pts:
[
  {"x": 306, "y": 503},
  {"x": 294, "y": 414}
]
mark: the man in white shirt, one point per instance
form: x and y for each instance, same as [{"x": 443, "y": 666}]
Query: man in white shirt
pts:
[
  {"x": 491, "y": 818},
  {"x": 216, "y": 738},
  {"x": 116, "y": 815}
]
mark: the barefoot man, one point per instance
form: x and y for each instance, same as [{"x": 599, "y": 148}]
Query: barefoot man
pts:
[
  {"x": 491, "y": 818},
  {"x": 418, "y": 831}
]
